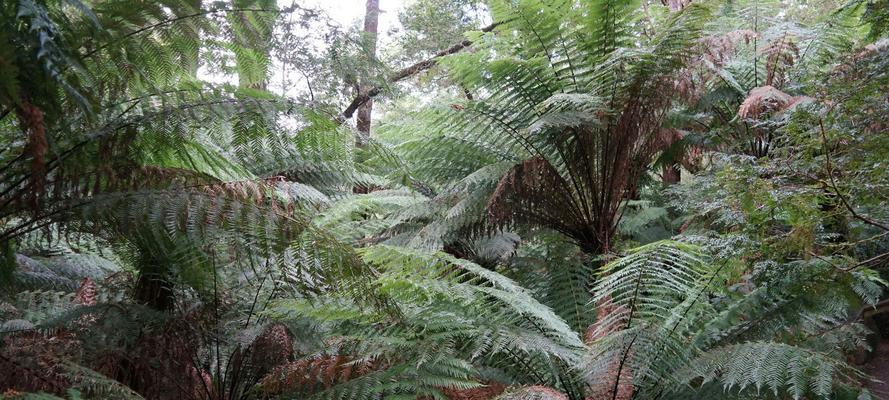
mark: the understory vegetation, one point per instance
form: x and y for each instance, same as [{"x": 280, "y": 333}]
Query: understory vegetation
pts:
[{"x": 552, "y": 200}]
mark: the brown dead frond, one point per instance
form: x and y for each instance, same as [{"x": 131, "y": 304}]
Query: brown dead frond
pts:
[
  {"x": 312, "y": 374},
  {"x": 763, "y": 100}
]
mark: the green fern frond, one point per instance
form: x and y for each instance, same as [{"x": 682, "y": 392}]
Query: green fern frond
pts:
[{"x": 660, "y": 323}]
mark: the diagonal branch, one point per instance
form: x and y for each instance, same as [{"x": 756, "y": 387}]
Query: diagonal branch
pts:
[
  {"x": 399, "y": 75},
  {"x": 836, "y": 189}
]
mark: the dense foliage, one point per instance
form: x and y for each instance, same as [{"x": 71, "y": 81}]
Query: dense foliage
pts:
[{"x": 588, "y": 199}]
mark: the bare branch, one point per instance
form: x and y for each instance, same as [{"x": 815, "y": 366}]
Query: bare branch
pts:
[{"x": 407, "y": 72}]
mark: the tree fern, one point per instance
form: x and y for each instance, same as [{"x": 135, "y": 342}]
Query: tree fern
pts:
[
  {"x": 549, "y": 110},
  {"x": 662, "y": 313},
  {"x": 454, "y": 318}
]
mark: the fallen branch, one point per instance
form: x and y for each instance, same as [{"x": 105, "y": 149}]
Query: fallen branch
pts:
[{"x": 399, "y": 75}]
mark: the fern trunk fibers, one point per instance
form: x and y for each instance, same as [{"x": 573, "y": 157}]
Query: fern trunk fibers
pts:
[
  {"x": 7, "y": 263},
  {"x": 31, "y": 119},
  {"x": 371, "y": 19},
  {"x": 670, "y": 174},
  {"x": 154, "y": 288}
]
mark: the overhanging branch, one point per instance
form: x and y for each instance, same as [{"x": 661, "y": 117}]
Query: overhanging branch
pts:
[{"x": 407, "y": 72}]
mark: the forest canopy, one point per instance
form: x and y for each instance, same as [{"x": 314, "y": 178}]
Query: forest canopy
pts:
[{"x": 501, "y": 199}]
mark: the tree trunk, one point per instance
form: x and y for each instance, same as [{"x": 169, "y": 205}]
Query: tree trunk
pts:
[{"x": 371, "y": 19}]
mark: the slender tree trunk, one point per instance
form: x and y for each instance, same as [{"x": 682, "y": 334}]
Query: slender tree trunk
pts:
[{"x": 371, "y": 19}]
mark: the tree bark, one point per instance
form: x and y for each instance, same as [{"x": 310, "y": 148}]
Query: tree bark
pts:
[{"x": 371, "y": 20}]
